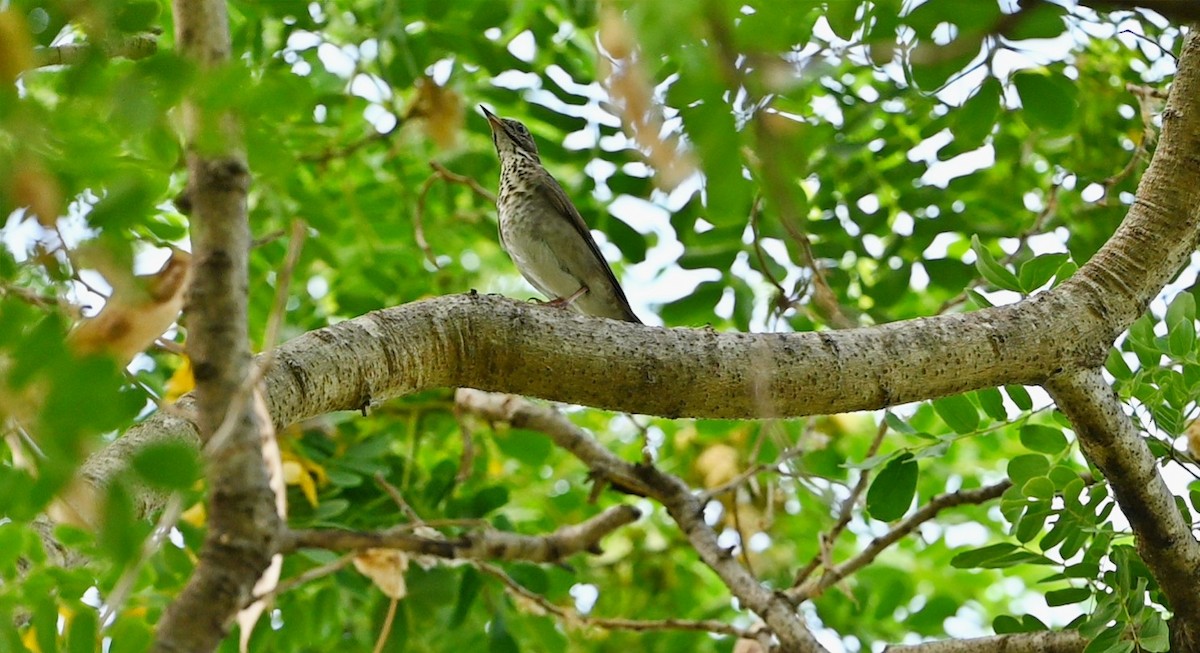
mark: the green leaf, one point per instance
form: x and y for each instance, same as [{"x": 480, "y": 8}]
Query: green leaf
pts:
[
  {"x": 1037, "y": 271},
  {"x": 1020, "y": 396},
  {"x": 130, "y": 635},
  {"x": 1067, "y": 596},
  {"x": 891, "y": 493},
  {"x": 1022, "y": 468},
  {"x": 1032, "y": 521},
  {"x": 697, "y": 308},
  {"x": 978, "y": 299},
  {"x": 172, "y": 464},
  {"x": 1017, "y": 558},
  {"x": 996, "y": 274},
  {"x": 1006, "y": 625},
  {"x": 488, "y": 499},
  {"x": 974, "y": 121},
  {"x": 993, "y": 403},
  {"x": 1041, "y": 21},
  {"x": 1043, "y": 439},
  {"x": 82, "y": 630},
  {"x": 898, "y": 425},
  {"x": 1110, "y": 641},
  {"x": 1181, "y": 309},
  {"x": 1047, "y": 99},
  {"x": 1153, "y": 635},
  {"x": 958, "y": 412},
  {"x": 529, "y": 447},
  {"x": 1116, "y": 365},
  {"x": 1038, "y": 487},
  {"x": 1181, "y": 326},
  {"x": 468, "y": 590},
  {"x": 974, "y": 558}
]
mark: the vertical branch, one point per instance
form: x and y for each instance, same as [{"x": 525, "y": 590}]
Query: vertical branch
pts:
[
  {"x": 1165, "y": 542},
  {"x": 243, "y": 526}
]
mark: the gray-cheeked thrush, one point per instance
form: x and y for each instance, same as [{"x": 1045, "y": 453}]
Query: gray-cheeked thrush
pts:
[{"x": 544, "y": 234}]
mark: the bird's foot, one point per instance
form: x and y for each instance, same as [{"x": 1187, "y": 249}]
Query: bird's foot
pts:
[{"x": 563, "y": 302}]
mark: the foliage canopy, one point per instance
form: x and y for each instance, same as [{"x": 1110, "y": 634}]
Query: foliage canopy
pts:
[{"x": 753, "y": 166}]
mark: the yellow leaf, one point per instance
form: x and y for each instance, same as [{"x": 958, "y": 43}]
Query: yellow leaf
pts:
[
  {"x": 29, "y": 640},
  {"x": 181, "y": 382},
  {"x": 196, "y": 515},
  {"x": 302, "y": 472},
  {"x": 294, "y": 474}
]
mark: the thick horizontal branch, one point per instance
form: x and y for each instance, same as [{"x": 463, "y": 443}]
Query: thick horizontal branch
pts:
[
  {"x": 485, "y": 545},
  {"x": 1177, "y": 10},
  {"x": 498, "y": 344},
  {"x": 135, "y": 46},
  {"x": 1067, "y": 641}
]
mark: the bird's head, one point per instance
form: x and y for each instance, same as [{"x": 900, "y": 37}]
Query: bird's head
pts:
[{"x": 510, "y": 137}]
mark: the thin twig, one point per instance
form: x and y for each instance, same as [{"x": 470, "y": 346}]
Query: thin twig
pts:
[
  {"x": 844, "y": 513},
  {"x": 398, "y": 499},
  {"x": 1039, "y": 223},
  {"x": 570, "y": 616},
  {"x": 783, "y": 299},
  {"x": 283, "y": 282},
  {"x": 440, "y": 172},
  {"x": 810, "y": 589},
  {"x": 386, "y": 630},
  {"x": 306, "y": 577},
  {"x": 330, "y": 154}
]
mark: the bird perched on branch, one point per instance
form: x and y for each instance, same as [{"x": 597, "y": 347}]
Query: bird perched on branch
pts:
[{"x": 545, "y": 235}]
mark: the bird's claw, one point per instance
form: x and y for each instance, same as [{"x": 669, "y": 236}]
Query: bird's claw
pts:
[{"x": 563, "y": 302}]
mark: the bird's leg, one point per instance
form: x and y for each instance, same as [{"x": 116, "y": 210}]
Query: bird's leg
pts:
[{"x": 564, "y": 302}]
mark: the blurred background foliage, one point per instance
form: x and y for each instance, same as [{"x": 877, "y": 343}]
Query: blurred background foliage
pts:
[{"x": 754, "y": 166}]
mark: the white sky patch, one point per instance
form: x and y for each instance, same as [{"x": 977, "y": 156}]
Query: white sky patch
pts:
[
  {"x": 564, "y": 80},
  {"x": 380, "y": 118},
  {"x": 940, "y": 173},
  {"x": 370, "y": 88},
  {"x": 868, "y": 203},
  {"x": 582, "y": 139},
  {"x": 335, "y": 60},
  {"x": 515, "y": 80},
  {"x": 523, "y": 46},
  {"x": 302, "y": 40},
  {"x": 927, "y": 149},
  {"x": 369, "y": 50},
  {"x": 440, "y": 71},
  {"x": 585, "y": 595}
]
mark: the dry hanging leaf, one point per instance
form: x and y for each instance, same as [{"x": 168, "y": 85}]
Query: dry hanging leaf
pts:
[
  {"x": 16, "y": 47},
  {"x": 717, "y": 465},
  {"x": 1193, "y": 438},
  {"x": 642, "y": 115},
  {"x": 37, "y": 189},
  {"x": 385, "y": 568},
  {"x": 441, "y": 109},
  {"x": 139, "y": 311}
]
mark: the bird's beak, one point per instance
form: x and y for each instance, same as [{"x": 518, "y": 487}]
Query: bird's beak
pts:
[{"x": 492, "y": 119}]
